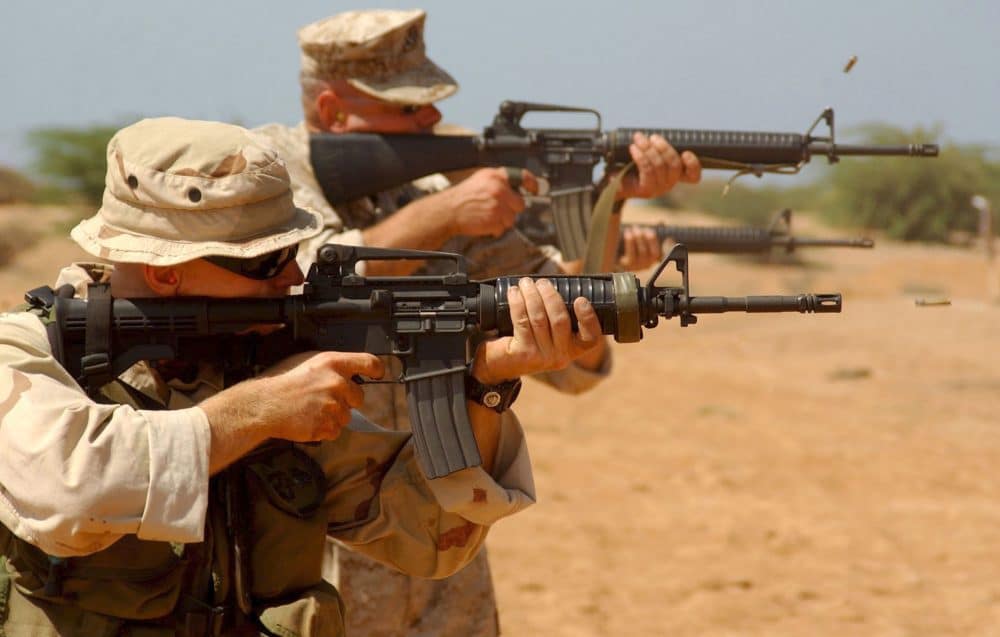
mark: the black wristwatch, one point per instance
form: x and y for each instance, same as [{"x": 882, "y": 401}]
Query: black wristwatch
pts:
[{"x": 497, "y": 397}]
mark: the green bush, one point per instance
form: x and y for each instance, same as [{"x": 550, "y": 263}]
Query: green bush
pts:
[
  {"x": 751, "y": 205},
  {"x": 913, "y": 199},
  {"x": 72, "y": 161}
]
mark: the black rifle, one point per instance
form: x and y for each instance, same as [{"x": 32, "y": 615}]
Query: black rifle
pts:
[
  {"x": 726, "y": 240},
  {"x": 353, "y": 165},
  {"x": 427, "y": 321}
]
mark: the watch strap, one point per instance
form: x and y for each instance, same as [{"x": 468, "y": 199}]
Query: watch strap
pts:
[{"x": 498, "y": 397}]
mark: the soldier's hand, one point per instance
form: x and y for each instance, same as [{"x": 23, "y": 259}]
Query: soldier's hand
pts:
[
  {"x": 658, "y": 168},
  {"x": 642, "y": 248},
  {"x": 485, "y": 203},
  {"x": 309, "y": 396},
  {"x": 543, "y": 337}
]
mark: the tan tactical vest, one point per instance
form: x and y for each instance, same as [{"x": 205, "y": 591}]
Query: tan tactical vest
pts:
[{"x": 257, "y": 572}]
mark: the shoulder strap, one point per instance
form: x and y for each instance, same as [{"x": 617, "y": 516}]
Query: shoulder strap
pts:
[
  {"x": 40, "y": 302},
  {"x": 95, "y": 365}
]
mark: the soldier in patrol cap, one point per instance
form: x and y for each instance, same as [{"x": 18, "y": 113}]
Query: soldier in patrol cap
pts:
[
  {"x": 368, "y": 71},
  {"x": 118, "y": 511}
]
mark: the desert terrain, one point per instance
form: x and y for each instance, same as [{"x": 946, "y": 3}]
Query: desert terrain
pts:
[
  {"x": 760, "y": 474},
  {"x": 777, "y": 474}
]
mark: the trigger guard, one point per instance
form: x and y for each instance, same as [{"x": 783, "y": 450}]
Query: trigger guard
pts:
[
  {"x": 516, "y": 181},
  {"x": 514, "y": 178}
]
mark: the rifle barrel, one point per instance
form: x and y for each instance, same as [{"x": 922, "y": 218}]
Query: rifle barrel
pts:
[
  {"x": 903, "y": 150},
  {"x": 804, "y": 303},
  {"x": 791, "y": 243},
  {"x": 740, "y": 239}
]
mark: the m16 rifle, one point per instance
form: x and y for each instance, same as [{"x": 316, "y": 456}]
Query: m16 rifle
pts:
[
  {"x": 720, "y": 240},
  {"x": 353, "y": 165},
  {"x": 428, "y": 322}
]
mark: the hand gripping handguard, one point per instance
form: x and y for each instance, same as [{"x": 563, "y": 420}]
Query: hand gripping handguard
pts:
[{"x": 429, "y": 322}]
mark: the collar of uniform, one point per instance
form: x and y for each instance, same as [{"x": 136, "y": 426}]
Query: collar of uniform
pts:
[
  {"x": 82, "y": 274},
  {"x": 209, "y": 377}
]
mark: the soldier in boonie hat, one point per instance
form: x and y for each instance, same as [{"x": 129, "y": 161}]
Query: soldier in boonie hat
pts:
[
  {"x": 138, "y": 474},
  {"x": 380, "y": 53},
  {"x": 178, "y": 190}
]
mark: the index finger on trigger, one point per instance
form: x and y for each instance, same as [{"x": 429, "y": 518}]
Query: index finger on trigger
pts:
[
  {"x": 353, "y": 394},
  {"x": 514, "y": 176},
  {"x": 529, "y": 182},
  {"x": 511, "y": 200},
  {"x": 364, "y": 364}
]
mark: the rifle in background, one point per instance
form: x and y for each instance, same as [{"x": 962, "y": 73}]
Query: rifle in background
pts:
[
  {"x": 537, "y": 226},
  {"x": 352, "y": 165}
]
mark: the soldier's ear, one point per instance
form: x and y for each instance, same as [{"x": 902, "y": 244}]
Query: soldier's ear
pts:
[
  {"x": 163, "y": 280},
  {"x": 331, "y": 110}
]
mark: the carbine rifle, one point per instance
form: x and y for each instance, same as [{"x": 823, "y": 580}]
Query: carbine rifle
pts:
[{"x": 429, "y": 322}]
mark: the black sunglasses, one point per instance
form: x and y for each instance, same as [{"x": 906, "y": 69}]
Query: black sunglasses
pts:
[{"x": 261, "y": 268}]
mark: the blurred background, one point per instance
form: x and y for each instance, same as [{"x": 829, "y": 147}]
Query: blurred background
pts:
[
  {"x": 750, "y": 475},
  {"x": 924, "y": 71}
]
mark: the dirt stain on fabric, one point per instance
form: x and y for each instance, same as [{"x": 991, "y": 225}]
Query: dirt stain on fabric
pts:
[
  {"x": 375, "y": 473},
  {"x": 456, "y": 537}
]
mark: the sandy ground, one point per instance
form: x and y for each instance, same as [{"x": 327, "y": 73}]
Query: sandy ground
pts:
[
  {"x": 760, "y": 474},
  {"x": 775, "y": 474}
]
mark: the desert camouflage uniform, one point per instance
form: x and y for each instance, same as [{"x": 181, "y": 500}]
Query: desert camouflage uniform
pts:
[
  {"x": 110, "y": 523},
  {"x": 381, "y": 602},
  {"x": 119, "y": 483}
]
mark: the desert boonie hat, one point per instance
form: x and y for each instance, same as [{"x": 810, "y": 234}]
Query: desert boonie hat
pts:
[
  {"x": 379, "y": 52},
  {"x": 177, "y": 190}
]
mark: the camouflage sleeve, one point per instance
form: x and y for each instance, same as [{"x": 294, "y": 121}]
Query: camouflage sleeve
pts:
[
  {"x": 75, "y": 476},
  {"x": 575, "y": 379},
  {"x": 384, "y": 507}
]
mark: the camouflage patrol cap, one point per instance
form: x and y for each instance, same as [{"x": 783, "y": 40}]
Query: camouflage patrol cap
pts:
[
  {"x": 177, "y": 190},
  {"x": 379, "y": 52}
]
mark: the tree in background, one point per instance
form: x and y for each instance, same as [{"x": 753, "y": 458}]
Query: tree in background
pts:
[
  {"x": 72, "y": 160},
  {"x": 924, "y": 200},
  {"x": 748, "y": 203}
]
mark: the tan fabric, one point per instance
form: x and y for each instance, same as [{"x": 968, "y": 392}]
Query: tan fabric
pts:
[
  {"x": 99, "y": 471},
  {"x": 292, "y": 144},
  {"x": 177, "y": 190},
  {"x": 100, "y": 475},
  {"x": 380, "y": 601},
  {"x": 379, "y": 52}
]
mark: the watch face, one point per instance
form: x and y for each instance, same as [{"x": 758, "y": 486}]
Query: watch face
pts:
[{"x": 491, "y": 398}]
